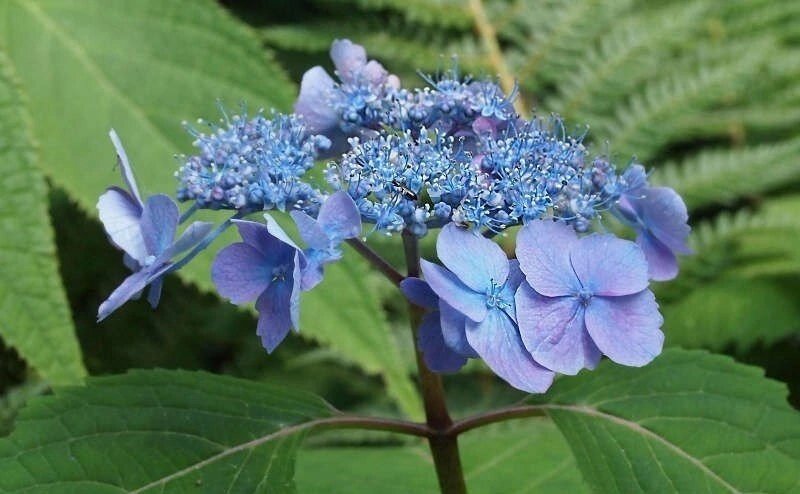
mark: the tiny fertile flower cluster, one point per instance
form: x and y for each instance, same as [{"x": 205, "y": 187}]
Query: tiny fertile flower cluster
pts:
[
  {"x": 453, "y": 157},
  {"x": 252, "y": 164}
]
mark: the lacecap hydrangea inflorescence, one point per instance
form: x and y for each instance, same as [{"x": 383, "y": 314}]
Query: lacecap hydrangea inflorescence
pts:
[{"x": 453, "y": 159}]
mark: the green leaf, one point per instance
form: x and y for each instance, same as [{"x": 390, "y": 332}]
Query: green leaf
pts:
[
  {"x": 723, "y": 313},
  {"x": 515, "y": 457},
  {"x": 12, "y": 401},
  {"x": 345, "y": 313},
  {"x": 159, "y": 431},
  {"x": 688, "y": 422},
  {"x": 34, "y": 314},
  {"x": 142, "y": 68}
]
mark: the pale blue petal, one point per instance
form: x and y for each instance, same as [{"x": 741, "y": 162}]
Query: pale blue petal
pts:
[
  {"x": 339, "y": 217},
  {"x": 349, "y": 58},
  {"x": 454, "y": 327},
  {"x": 294, "y": 299},
  {"x": 276, "y": 231},
  {"x": 553, "y": 331},
  {"x": 311, "y": 275},
  {"x": 131, "y": 286},
  {"x": 121, "y": 217},
  {"x": 609, "y": 266},
  {"x": 498, "y": 343},
  {"x": 662, "y": 265},
  {"x": 515, "y": 278},
  {"x": 160, "y": 218},
  {"x": 310, "y": 230},
  {"x": 190, "y": 237},
  {"x": 626, "y": 329},
  {"x": 241, "y": 273},
  {"x": 374, "y": 73},
  {"x": 314, "y": 104},
  {"x": 448, "y": 287},
  {"x": 275, "y": 309},
  {"x": 664, "y": 213},
  {"x": 419, "y": 293},
  {"x": 125, "y": 166},
  {"x": 474, "y": 259},
  {"x": 635, "y": 178},
  {"x": 154, "y": 292},
  {"x": 543, "y": 251},
  {"x": 436, "y": 354},
  {"x": 129, "y": 289}
]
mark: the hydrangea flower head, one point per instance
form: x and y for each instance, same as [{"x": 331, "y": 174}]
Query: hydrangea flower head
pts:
[
  {"x": 338, "y": 220},
  {"x": 479, "y": 282},
  {"x": 453, "y": 155},
  {"x": 144, "y": 230},
  {"x": 265, "y": 267},
  {"x": 659, "y": 216},
  {"x": 584, "y": 297}
]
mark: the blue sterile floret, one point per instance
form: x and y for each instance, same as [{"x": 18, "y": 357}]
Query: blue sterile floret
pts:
[{"x": 252, "y": 164}]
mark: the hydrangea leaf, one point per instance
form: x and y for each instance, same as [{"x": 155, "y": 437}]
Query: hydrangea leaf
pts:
[
  {"x": 688, "y": 422},
  {"x": 142, "y": 68},
  {"x": 521, "y": 456},
  {"x": 345, "y": 313},
  {"x": 159, "y": 431},
  {"x": 34, "y": 314}
]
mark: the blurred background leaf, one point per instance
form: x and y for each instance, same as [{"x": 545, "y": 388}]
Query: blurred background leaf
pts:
[{"x": 34, "y": 315}]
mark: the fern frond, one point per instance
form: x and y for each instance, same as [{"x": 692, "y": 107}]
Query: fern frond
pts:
[
  {"x": 627, "y": 55},
  {"x": 725, "y": 313},
  {"x": 754, "y": 17},
  {"x": 552, "y": 37},
  {"x": 441, "y": 13},
  {"x": 653, "y": 117},
  {"x": 721, "y": 176},
  {"x": 779, "y": 215}
]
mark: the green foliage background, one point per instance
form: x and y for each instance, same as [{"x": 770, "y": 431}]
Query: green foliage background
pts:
[{"x": 705, "y": 92}]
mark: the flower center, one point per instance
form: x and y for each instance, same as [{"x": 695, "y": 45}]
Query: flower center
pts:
[
  {"x": 494, "y": 299},
  {"x": 279, "y": 273},
  {"x": 584, "y": 295},
  {"x": 148, "y": 261}
]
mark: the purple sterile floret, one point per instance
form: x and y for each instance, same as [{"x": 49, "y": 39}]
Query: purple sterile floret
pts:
[
  {"x": 145, "y": 232},
  {"x": 265, "y": 267},
  {"x": 479, "y": 282},
  {"x": 437, "y": 352},
  {"x": 584, "y": 297},
  {"x": 337, "y": 221},
  {"x": 356, "y": 104},
  {"x": 660, "y": 218}
]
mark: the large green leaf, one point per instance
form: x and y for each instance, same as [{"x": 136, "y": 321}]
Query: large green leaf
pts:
[
  {"x": 159, "y": 431},
  {"x": 688, "y": 422},
  {"x": 34, "y": 315},
  {"x": 346, "y": 314},
  {"x": 143, "y": 67},
  {"x": 516, "y": 457}
]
